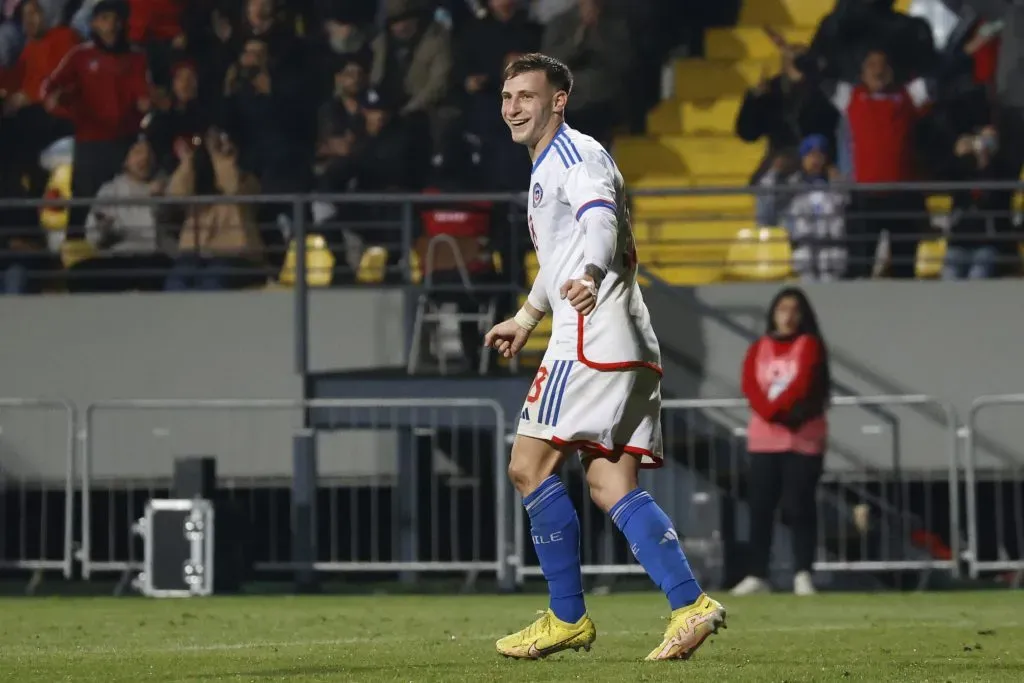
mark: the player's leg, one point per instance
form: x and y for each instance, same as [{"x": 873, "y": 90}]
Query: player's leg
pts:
[
  {"x": 655, "y": 544},
  {"x": 554, "y": 524},
  {"x": 651, "y": 535}
]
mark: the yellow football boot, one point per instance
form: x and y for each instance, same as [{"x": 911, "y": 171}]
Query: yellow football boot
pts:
[
  {"x": 548, "y": 635},
  {"x": 688, "y": 628}
]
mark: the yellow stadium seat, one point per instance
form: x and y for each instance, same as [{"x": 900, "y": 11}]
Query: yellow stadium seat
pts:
[
  {"x": 372, "y": 266},
  {"x": 930, "y": 254},
  {"x": 76, "y": 251},
  {"x": 531, "y": 265},
  {"x": 416, "y": 266},
  {"x": 760, "y": 254},
  {"x": 939, "y": 204},
  {"x": 58, "y": 186},
  {"x": 319, "y": 263}
]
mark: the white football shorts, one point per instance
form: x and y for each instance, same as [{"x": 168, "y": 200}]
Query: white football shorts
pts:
[{"x": 598, "y": 412}]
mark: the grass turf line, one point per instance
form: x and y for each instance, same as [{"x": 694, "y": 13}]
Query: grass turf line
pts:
[{"x": 885, "y": 637}]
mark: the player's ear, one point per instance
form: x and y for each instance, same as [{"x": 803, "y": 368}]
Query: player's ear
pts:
[{"x": 561, "y": 99}]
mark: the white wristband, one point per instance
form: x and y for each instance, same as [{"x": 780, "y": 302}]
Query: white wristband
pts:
[{"x": 525, "y": 320}]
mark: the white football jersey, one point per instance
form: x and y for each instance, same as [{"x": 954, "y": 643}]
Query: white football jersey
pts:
[{"x": 573, "y": 175}]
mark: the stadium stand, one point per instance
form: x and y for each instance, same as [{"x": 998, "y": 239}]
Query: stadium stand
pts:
[{"x": 303, "y": 95}]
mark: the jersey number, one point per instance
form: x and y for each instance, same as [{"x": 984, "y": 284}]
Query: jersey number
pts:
[{"x": 538, "y": 385}]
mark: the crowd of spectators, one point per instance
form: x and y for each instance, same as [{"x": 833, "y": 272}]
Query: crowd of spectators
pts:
[
  {"x": 265, "y": 96},
  {"x": 885, "y": 98}
]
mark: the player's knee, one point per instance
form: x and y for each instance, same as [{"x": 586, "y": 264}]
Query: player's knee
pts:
[
  {"x": 525, "y": 475},
  {"x": 532, "y": 462},
  {"x": 604, "y": 496}
]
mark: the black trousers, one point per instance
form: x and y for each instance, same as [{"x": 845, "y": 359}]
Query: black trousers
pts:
[
  {"x": 902, "y": 214},
  {"x": 791, "y": 478}
]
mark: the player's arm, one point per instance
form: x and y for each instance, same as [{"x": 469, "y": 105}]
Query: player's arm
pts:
[
  {"x": 509, "y": 336},
  {"x": 590, "y": 190}
]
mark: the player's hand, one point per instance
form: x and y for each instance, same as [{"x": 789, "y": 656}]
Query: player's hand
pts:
[
  {"x": 507, "y": 338},
  {"x": 581, "y": 294}
]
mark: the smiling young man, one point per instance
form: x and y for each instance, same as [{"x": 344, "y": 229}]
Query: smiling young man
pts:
[{"x": 598, "y": 389}]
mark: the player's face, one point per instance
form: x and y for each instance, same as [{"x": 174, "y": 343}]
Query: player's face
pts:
[
  {"x": 787, "y": 315},
  {"x": 528, "y": 102}
]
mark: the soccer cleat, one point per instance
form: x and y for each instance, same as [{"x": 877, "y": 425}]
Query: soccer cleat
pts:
[
  {"x": 548, "y": 635},
  {"x": 688, "y": 628}
]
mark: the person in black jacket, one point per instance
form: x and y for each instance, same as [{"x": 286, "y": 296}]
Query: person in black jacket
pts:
[
  {"x": 784, "y": 109},
  {"x": 979, "y": 244},
  {"x": 855, "y": 26}
]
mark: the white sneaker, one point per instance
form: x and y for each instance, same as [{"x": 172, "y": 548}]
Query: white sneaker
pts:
[
  {"x": 803, "y": 585},
  {"x": 751, "y": 585}
]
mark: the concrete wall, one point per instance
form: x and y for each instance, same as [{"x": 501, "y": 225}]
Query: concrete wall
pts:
[
  {"x": 230, "y": 345},
  {"x": 955, "y": 341}
]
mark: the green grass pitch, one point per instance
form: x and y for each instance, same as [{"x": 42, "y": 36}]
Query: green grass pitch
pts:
[{"x": 886, "y": 637}]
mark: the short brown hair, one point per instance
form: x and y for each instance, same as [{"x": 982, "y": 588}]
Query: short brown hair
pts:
[{"x": 556, "y": 72}]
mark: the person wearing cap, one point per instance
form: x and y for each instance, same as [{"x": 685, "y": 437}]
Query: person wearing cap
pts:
[
  {"x": 103, "y": 87},
  {"x": 811, "y": 211}
]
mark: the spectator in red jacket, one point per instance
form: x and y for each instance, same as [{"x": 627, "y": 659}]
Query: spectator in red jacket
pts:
[
  {"x": 883, "y": 118},
  {"x": 103, "y": 87},
  {"x": 156, "y": 26},
  {"x": 29, "y": 129},
  {"x": 786, "y": 380}
]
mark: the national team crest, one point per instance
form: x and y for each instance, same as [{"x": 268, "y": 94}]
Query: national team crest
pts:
[{"x": 538, "y": 194}]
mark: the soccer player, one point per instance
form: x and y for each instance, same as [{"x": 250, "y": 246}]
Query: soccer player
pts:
[{"x": 602, "y": 368}]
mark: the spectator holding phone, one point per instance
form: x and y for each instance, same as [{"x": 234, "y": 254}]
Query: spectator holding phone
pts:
[
  {"x": 786, "y": 379},
  {"x": 784, "y": 109},
  {"x": 220, "y": 245},
  {"x": 980, "y": 232}
]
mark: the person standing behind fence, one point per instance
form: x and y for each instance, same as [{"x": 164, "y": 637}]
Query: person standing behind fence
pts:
[
  {"x": 103, "y": 86},
  {"x": 786, "y": 379}
]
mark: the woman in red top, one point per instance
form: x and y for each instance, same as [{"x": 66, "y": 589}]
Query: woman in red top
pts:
[{"x": 786, "y": 380}]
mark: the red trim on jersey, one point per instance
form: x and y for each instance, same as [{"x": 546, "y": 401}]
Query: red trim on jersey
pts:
[
  {"x": 609, "y": 367},
  {"x": 598, "y": 450}
]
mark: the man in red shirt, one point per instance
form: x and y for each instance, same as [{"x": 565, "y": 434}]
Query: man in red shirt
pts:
[
  {"x": 883, "y": 118},
  {"x": 28, "y": 128},
  {"x": 103, "y": 87}
]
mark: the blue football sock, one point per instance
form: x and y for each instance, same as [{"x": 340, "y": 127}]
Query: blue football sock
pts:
[
  {"x": 556, "y": 536},
  {"x": 655, "y": 544}
]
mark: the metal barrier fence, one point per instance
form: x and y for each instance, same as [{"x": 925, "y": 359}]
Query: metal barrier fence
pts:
[
  {"x": 33, "y": 491},
  {"x": 408, "y": 486},
  {"x": 404, "y": 485},
  {"x": 871, "y": 518},
  {"x": 995, "y": 494}
]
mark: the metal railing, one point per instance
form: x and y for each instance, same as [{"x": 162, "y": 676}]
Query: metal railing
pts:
[
  {"x": 404, "y": 485},
  {"x": 869, "y": 520},
  {"x": 995, "y": 495},
  {"x": 37, "y": 487},
  {"x": 704, "y": 237},
  {"x": 430, "y": 494}
]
